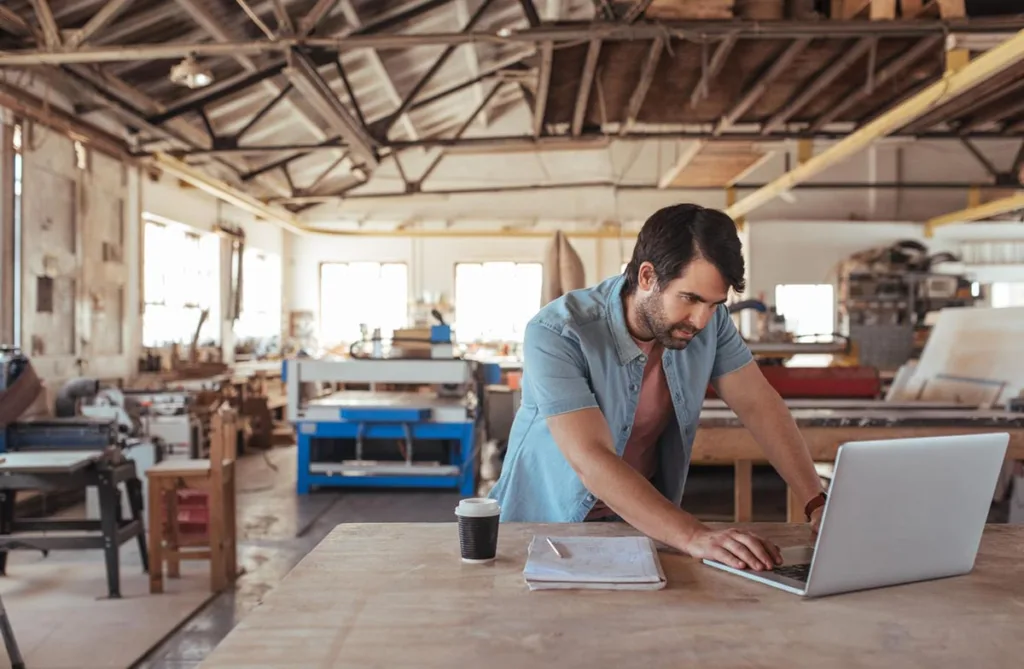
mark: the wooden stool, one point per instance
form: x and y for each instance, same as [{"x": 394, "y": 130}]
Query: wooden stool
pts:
[{"x": 216, "y": 477}]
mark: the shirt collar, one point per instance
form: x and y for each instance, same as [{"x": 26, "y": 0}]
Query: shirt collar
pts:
[{"x": 624, "y": 344}]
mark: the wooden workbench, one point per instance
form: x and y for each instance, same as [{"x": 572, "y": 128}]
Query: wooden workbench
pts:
[
  {"x": 723, "y": 440},
  {"x": 397, "y": 595}
]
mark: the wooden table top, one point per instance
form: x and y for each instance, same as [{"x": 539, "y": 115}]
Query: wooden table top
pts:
[{"x": 397, "y": 595}]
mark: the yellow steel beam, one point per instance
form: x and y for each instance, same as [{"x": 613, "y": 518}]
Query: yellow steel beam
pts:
[
  {"x": 228, "y": 193},
  {"x": 977, "y": 213},
  {"x": 952, "y": 85}
]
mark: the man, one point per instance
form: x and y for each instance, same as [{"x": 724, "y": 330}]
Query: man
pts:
[{"x": 614, "y": 377}]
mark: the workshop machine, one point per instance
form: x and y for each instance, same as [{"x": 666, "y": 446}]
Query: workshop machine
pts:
[{"x": 415, "y": 426}]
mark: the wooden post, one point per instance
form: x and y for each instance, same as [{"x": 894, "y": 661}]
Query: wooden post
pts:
[{"x": 743, "y": 485}]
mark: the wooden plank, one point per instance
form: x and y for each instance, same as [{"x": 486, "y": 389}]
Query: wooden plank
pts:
[
  {"x": 794, "y": 508},
  {"x": 586, "y": 83},
  {"x": 820, "y": 83},
  {"x": 540, "y": 104},
  {"x": 51, "y": 31},
  {"x": 952, "y": 9},
  {"x": 743, "y": 493},
  {"x": 707, "y": 77},
  {"x": 342, "y": 603},
  {"x": 760, "y": 85},
  {"x": 911, "y": 8},
  {"x": 883, "y": 10},
  {"x": 636, "y": 100},
  {"x": 726, "y": 445}
]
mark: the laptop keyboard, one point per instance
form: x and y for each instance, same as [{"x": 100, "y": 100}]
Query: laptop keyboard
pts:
[{"x": 795, "y": 571}]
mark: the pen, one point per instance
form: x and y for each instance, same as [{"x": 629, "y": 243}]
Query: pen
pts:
[{"x": 554, "y": 547}]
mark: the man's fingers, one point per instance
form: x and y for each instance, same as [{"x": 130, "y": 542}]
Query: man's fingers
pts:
[
  {"x": 759, "y": 548},
  {"x": 773, "y": 550},
  {"x": 743, "y": 552},
  {"x": 725, "y": 557}
]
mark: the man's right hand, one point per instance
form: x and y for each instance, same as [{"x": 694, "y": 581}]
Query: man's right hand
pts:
[{"x": 735, "y": 548}]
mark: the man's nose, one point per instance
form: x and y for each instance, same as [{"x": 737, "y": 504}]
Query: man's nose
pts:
[{"x": 703, "y": 315}]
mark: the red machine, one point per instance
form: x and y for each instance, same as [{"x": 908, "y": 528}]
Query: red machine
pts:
[{"x": 822, "y": 382}]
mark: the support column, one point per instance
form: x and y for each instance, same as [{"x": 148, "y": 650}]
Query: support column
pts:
[{"x": 8, "y": 254}]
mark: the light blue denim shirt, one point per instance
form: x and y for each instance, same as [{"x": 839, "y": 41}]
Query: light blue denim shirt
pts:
[{"x": 579, "y": 354}]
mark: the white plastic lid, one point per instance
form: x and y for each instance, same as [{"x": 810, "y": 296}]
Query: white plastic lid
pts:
[{"x": 478, "y": 507}]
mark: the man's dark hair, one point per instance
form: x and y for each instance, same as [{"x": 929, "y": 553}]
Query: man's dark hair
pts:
[{"x": 674, "y": 236}]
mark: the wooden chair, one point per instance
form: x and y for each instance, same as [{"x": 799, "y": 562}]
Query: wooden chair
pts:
[{"x": 216, "y": 477}]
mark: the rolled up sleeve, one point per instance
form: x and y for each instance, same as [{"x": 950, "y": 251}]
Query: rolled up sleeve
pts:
[
  {"x": 554, "y": 372},
  {"x": 731, "y": 352}
]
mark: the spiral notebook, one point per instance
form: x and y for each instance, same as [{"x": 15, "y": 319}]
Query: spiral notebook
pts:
[{"x": 601, "y": 563}]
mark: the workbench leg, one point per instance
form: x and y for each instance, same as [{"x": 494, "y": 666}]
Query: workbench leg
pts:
[
  {"x": 110, "y": 515},
  {"x": 156, "y": 531},
  {"x": 743, "y": 489},
  {"x": 171, "y": 536},
  {"x": 215, "y": 531},
  {"x": 794, "y": 508},
  {"x": 6, "y": 522},
  {"x": 304, "y": 453},
  {"x": 467, "y": 480},
  {"x": 231, "y": 527},
  {"x": 134, "y": 490},
  {"x": 10, "y": 643}
]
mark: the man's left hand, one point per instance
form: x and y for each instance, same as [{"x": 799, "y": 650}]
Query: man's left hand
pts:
[{"x": 815, "y": 521}]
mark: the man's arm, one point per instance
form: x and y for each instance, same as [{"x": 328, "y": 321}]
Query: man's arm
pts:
[
  {"x": 766, "y": 415},
  {"x": 555, "y": 379},
  {"x": 585, "y": 440}
]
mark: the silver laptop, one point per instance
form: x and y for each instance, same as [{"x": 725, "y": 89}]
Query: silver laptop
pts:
[{"x": 898, "y": 511}]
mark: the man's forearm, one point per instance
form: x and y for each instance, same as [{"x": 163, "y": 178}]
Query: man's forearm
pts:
[
  {"x": 774, "y": 429},
  {"x": 635, "y": 500}
]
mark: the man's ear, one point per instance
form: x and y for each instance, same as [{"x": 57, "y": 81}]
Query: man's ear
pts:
[{"x": 646, "y": 277}]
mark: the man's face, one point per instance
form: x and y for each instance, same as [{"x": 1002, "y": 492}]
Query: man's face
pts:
[{"x": 676, "y": 313}]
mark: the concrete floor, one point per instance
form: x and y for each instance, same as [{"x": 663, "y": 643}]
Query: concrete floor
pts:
[{"x": 278, "y": 528}]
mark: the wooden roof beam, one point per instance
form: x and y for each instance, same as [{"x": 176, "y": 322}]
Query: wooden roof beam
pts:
[
  {"x": 713, "y": 69},
  {"x": 980, "y": 212},
  {"x": 951, "y": 86},
  {"x": 820, "y": 83},
  {"x": 636, "y": 100},
  {"x": 540, "y": 103},
  {"x": 586, "y": 83},
  {"x": 761, "y": 84},
  {"x": 881, "y": 77}
]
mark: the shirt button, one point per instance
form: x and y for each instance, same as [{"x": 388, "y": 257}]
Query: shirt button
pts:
[
  {"x": 643, "y": 358},
  {"x": 590, "y": 498},
  {"x": 632, "y": 387},
  {"x": 625, "y": 428}
]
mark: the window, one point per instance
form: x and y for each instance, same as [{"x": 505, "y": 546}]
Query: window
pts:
[
  {"x": 182, "y": 277},
  {"x": 1007, "y": 295},
  {"x": 261, "y": 296},
  {"x": 809, "y": 309},
  {"x": 495, "y": 300},
  {"x": 371, "y": 293}
]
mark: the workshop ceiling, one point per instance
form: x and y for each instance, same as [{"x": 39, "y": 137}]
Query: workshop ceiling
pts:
[{"x": 310, "y": 97}]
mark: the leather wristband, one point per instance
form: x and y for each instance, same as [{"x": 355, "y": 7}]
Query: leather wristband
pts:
[{"x": 816, "y": 502}]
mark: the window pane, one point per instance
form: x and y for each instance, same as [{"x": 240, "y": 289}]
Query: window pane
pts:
[
  {"x": 181, "y": 278},
  {"x": 261, "y": 296},
  {"x": 495, "y": 300},
  {"x": 809, "y": 309},
  {"x": 1007, "y": 295},
  {"x": 358, "y": 293}
]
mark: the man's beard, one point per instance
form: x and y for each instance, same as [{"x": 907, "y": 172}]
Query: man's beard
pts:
[{"x": 670, "y": 335}]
